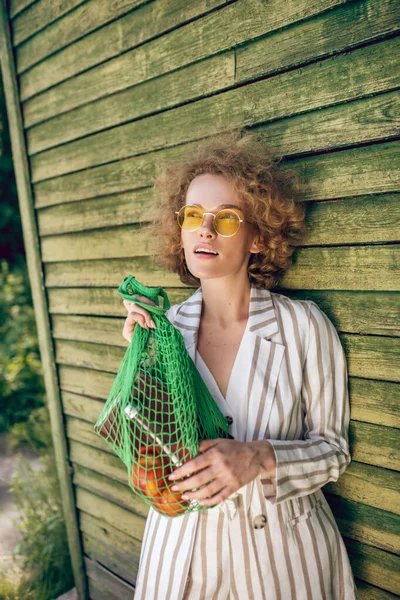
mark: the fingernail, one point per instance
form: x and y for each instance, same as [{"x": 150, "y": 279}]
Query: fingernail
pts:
[
  {"x": 171, "y": 477},
  {"x": 184, "y": 497},
  {"x": 174, "y": 488},
  {"x": 153, "y": 324}
]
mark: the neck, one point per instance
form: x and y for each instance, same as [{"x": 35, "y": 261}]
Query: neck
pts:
[{"x": 225, "y": 303}]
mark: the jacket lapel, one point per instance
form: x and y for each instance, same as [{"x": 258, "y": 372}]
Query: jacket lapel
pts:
[{"x": 259, "y": 359}]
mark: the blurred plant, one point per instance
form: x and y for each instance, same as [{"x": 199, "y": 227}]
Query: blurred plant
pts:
[
  {"x": 21, "y": 380},
  {"x": 47, "y": 570}
]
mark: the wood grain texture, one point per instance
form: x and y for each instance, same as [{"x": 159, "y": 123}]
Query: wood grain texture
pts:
[
  {"x": 368, "y": 485},
  {"x": 113, "y": 586},
  {"x": 364, "y": 71},
  {"x": 366, "y": 524},
  {"x": 350, "y": 172},
  {"x": 234, "y": 24},
  {"x": 374, "y": 566},
  {"x": 120, "y": 518},
  {"x": 141, "y": 97}
]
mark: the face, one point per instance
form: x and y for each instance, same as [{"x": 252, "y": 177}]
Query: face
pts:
[{"x": 211, "y": 192}]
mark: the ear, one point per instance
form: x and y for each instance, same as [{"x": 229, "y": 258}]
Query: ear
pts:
[{"x": 257, "y": 246}]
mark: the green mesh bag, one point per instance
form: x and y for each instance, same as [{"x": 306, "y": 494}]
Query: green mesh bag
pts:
[{"x": 159, "y": 407}]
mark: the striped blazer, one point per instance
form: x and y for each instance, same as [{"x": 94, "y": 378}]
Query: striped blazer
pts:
[{"x": 274, "y": 539}]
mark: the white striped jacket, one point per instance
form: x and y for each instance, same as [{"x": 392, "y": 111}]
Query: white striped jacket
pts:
[{"x": 280, "y": 541}]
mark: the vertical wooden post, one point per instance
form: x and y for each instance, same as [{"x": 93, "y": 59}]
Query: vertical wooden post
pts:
[{"x": 36, "y": 278}]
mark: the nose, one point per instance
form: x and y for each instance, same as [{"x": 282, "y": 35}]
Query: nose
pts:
[{"x": 207, "y": 226}]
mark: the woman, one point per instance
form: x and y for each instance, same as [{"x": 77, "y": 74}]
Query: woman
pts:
[{"x": 228, "y": 220}]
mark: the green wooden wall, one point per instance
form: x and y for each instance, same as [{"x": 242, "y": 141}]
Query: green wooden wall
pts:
[{"x": 109, "y": 91}]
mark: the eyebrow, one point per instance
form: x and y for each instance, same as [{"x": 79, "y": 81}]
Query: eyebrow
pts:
[{"x": 223, "y": 206}]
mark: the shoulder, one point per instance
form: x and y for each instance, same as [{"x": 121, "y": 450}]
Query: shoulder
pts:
[{"x": 303, "y": 319}]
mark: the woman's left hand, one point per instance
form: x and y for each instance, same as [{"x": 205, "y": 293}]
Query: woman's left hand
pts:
[{"x": 223, "y": 467}]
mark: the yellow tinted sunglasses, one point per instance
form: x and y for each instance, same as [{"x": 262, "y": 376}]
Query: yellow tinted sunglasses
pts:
[{"x": 226, "y": 222}]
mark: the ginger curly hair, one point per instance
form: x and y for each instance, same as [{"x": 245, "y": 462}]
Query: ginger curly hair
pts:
[{"x": 270, "y": 193}]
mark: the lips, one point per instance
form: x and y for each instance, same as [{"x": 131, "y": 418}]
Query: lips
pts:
[{"x": 204, "y": 247}]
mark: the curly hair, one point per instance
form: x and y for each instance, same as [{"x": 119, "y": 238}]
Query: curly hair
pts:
[{"x": 270, "y": 194}]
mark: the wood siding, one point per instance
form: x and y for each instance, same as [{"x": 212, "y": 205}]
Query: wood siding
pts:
[{"x": 111, "y": 90}]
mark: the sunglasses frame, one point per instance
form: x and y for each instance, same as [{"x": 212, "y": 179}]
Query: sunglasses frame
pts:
[{"x": 214, "y": 215}]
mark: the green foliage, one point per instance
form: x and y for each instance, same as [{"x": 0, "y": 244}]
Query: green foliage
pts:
[
  {"x": 21, "y": 380},
  {"x": 37, "y": 495}
]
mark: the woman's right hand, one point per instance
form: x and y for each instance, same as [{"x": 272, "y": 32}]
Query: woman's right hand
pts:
[{"x": 137, "y": 314}]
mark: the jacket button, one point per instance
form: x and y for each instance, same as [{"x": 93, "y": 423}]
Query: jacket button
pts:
[
  {"x": 229, "y": 420},
  {"x": 259, "y": 522}
]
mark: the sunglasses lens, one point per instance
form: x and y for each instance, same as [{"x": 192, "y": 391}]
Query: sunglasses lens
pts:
[
  {"x": 226, "y": 223},
  {"x": 190, "y": 217}
]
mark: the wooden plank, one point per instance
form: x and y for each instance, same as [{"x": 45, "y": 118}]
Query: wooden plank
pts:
[
  {"x": 34, "y": 267},
  {"x": 372, "y": 357},
  {"x": 62, "y": 27},
  {"x": 343, "y": 28},
  {"x": 98, "y": 592},
  {"x": 375, "y": 445},
  {"x": 375, "y": 401},
  {"x": 363, "y": 72},
  {"x": 117, "y": 209},
  {"x": 353, "y": 172},
  {"x": 366, "y": 524},
  {"x": 221, "y": 30},
  {"x": 197, "y": 80},
  {"x": 17, "y": 6},
  {"x": 371, "y": 592},
  {"x": 366, "y": 170},
  {"x": 118, "y": 493},
  {"x": 125, "y": 545},
  {"x": 120, "y": 518},
  {"x": 345, "y": 268},
  {"x": 110, "y": 558},
  {"x": 105, "y": 463},
  {"x": 110, "y": 273},
  {"x": 117, "y": 587},
  {"x": 374, "y": 218},
  {"x": 81, "y": 407},
  {"x": 374, "y": 486},
  {"x": 102, "y": 301},
  {"x": 371, "y": 401},
  {"x": 367, "y": 119},
  {"x": 348, "y": 311},
  {"x": 143, "y": 97},
  {"x": 84, "y": 433},
  {"x": 85, "y": 381},
  {"x": 375, "y": 566},
  {"x": 38, "y": 16}
]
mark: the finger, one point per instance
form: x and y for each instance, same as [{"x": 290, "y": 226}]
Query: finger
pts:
[
  {"x": 199, "y": 479},
  {"x": 144, "y": 299},
  {"x": 196, "y": 464},
  {"x": 205, "y": 492},
  {"x": 207, "y": 444},
  {"x": 141, "y": 316},
  {"x": 217, "y": 498}
]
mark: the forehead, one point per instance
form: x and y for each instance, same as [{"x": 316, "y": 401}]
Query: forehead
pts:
[{"x": 212, "y": 192}]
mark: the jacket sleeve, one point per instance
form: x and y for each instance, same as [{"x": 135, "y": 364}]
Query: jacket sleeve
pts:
[{"x": 322, "y": 455}]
